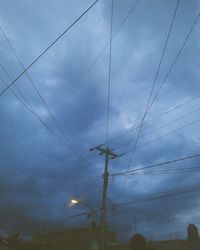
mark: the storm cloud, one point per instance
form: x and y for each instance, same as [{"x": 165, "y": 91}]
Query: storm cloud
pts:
[{"x": 39, "y": 173}]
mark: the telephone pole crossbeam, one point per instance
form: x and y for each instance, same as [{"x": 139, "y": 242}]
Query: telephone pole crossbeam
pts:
[{"x": 108, "y": 154}]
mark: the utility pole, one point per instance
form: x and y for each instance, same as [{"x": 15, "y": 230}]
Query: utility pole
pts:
[
  {"x": 108, "y": 154},
  {"x": 135, "y": 224}
]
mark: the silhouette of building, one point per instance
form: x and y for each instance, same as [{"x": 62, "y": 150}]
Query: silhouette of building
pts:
[
  {"x": 164, "y": 245},
  {"x": 192, "y": 232},
  {"x": 138, "y": 242},
  {"x": 119, "y": 247},
  {"x": 87, "y": 238}
]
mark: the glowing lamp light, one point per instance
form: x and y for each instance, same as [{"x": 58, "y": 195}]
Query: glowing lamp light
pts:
[{"x": 74, "y": 202}]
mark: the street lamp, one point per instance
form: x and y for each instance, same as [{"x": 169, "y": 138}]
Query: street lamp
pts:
[{"x": 74, "y": 202}]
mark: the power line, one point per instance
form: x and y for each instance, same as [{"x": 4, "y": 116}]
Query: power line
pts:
[
  {"x": 73, "y": 216},
  {"x": 34, "y": 111},
  {"x": 49, "y": 176},
  {"x": 167, "y": 194},
  {"x": 107, "y": 151},
  {"x": 11, "y": 140},
  {"x": 30, "y": 109},
  {"x": 109, "y": 74},
  {"x": 165, "y": 125},
  {"x": 163, "y": 136},
  {"x": 58, "y": 38},
  {"x": 34, "y": 85},
  {"x": 28, "y": 67},
  {"x": 102, "y": 51},
  {"x": 175, "y": 60},
  {"x": 191, "y": 123},
  {"x": 155, "y": 79},
  {"x": 152, "y": 89},
  {"x": 36, "y": 89},
  {"x": 113, "y": 35},
  {"x": 173, "y": 64},
  {"x": 26, "y": 103},
  {"x": 169, "y": 171},
  {"x": 18, "y": 90},
  {"x": 178, "y": 55},
  {"x": 35, "y": 114},
  {"x": 157, "y": 165},
  {"x": 154, "y": 118},
  {"x": 31, "y": 81},
  {"x": 28, "y": 147}
]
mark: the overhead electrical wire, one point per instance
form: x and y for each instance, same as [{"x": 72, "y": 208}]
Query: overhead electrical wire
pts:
[
  {"x": 164, "y": 125},
  {"x": 113, "y": 35},
  {"x": 153, "y": 197},
  {"x": 40, "y": 119},
  {"x": 60, "y": 161},
  {"x": 171, "y": 67},
  {"x": 36, "y": 89},
  {"x": 29, "y": 148},
  {"x": 180, "y": 105},
  {"x": 156, "y": 165},
  {"x": 31, "y": 81},
  {"x": 18, "y": 90},
  {"x": 63, "y": 161},
  {"x": 37, "y": 115},
  {"x": 109, "y": 74},
  {"x": 43, "y": 123},
  {"x": 156, "y": 76},
  {"x": 48, "y": 176},
  {"x": 102, "y": 51},
  {"x": 51, "y": 45},
  {"x": 151, "y": 92},
  {"x": 25, "y": 70},
  {"x": 29, "y": 108},
  {"x": 168, "y": 194},
  {"x": 169, "y": 172},
  {"x": 163, "y": 136},
  {"x": 34, "y": 85},
  {"x": 73, "y": 216},
  {"x": 175, "y": 60}
]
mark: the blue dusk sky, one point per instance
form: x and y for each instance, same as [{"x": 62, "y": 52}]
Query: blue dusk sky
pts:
[{"x": 56, "y": 111}]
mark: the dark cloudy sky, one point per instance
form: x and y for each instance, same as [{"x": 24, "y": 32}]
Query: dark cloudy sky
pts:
[{"x": 39, "y": 173}]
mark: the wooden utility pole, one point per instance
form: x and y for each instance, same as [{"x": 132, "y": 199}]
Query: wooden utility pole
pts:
[
  {"x": 108, "y": 154},
  {"x": 135, "y": 224}
]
